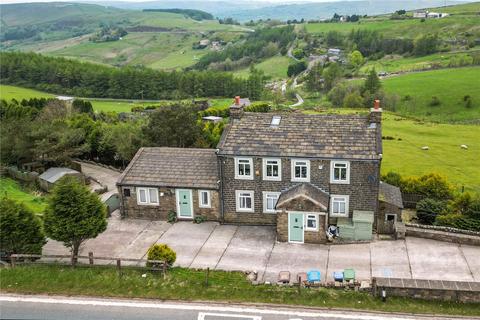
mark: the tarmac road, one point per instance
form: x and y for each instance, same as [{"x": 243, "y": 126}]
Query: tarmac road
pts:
[{"x": 60, "y": 308}]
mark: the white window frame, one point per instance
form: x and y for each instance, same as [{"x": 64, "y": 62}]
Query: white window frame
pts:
[
  {"x": 252, "y": 169},
  {"x": 347, "y": 200},
  {"x": 237, "y": 200},
  {"x": 332, "y": 172},
  {"x": 265, "y": 195},
  {"x": 310, "y": 216},
  {"x": 200, "y": 199},
  {"x": 147, "y": 196},
  {"x": 279, "y": 164},
  {"x": 294, "y": 162}
]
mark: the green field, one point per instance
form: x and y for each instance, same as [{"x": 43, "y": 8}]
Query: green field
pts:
[
  {"x": 275, "y": 68},
  {"x": 444, "y": 156},
  {"x": 18, "y": 93},
  {"x": 14, "y": 191},
  {"x": 450, "y": 86},
  {"x": 396, "y": 63}
]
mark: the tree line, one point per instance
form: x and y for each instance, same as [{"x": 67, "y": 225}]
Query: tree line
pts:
[
  {"x": 374, "y": 44},
  {"x": 60, "y": 75}
]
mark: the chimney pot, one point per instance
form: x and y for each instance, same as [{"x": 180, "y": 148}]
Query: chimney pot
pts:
[
  {"x": 237, "y": 100},
  {"x": 376, "y": 104}
]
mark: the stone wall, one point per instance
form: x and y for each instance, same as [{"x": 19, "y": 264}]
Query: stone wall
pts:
[
  {"x": 363, "y": 187},
  {"x": 131, "y": 209},
  {"x": 435, "y": 233},
  {"x": 459, "y": 291}
]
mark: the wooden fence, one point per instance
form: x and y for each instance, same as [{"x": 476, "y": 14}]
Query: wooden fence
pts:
[
  {"x": 410, "y": 199},
  {"x": 156, "y": 265}
]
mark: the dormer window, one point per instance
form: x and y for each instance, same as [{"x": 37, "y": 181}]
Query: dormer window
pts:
[
  {"x": 244, "y": 168},
  {"x": 340, "y": 172}
]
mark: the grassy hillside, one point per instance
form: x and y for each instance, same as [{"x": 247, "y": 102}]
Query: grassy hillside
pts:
[
  {"x": 18, "y": 93},
  {"x": 444, "y": 156},
  {"x": 155, "y": 50},
  {"x": 275, "y": 67},
  {"x": 450, "y": 86},
  {"x": 446, "y": 27},
  {"x": 161, "y": 40},
  {"x": 397, "y": 63},
  {"x": 14, "y": 191}
]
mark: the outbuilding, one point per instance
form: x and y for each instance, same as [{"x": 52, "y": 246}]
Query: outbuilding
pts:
[
  {"x": 49, "y": 178},
  {"x": 390, "y": 208}
]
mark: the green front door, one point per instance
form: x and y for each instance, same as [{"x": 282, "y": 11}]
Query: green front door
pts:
[
  {"x": 295, "y": 227},
  {"x": 184, "y": 199}
]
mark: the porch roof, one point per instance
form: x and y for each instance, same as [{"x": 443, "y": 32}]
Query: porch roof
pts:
[{"x": 305, "y": 191}]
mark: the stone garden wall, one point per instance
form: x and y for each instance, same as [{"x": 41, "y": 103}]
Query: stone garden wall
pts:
[
  {"x": 443, "y": 234},
  {"x": 460, "y": 291}
]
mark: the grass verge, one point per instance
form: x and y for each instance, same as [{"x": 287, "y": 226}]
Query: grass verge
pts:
[{"x": 186, "y": 284}]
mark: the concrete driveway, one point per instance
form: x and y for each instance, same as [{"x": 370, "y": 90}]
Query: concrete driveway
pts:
[{"x": 250, "y": 248}]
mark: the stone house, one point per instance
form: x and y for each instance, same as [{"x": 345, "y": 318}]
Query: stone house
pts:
[
  {"x": 162, "y": 180},
  {"x": 300, "y": 173}
]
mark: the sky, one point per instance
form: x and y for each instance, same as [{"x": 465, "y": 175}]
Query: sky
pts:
[{"x": 271, "y": 1}]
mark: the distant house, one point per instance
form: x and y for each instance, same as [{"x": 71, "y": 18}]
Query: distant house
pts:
[
  {"x": 299, "y": 173},
  {"x": 334, "y": 52},
  {"x": 436, "y": 15},
  {"x": 420, "y": 14},
  {"x": 49, "y": 178}
]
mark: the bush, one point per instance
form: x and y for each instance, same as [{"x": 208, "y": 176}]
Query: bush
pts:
[
  {"x": 458, "y": 221},
  {"x": 428, "y": 209},
  {"x": 435, "y": 101},
  {"x": 172, "y": 216},
  {"x": 161, "y": 252},
  {"x": 353, "y": 100},
  {"x": 199, "y": 219},
  {"x": 258, "y": 107},
  {"x": 20, "y": 229}
]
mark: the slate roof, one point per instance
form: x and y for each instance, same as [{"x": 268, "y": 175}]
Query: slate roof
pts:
[
  {"x": 54, "y": 174},
  {"x": 172, "y": 167},
  {"x": 390, "y": 194},
  {"x": 300, "y": 135},
  {"x": 304, "y": 190}
]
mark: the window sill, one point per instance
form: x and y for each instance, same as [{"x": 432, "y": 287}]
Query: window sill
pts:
[
  {"x": 243, "y": 178},
  {"x": 149, "y": 204},
  {"x": 245, "y": 211},
  {"x": 339, "y": 182},
  {"x": 205, "y": 207},
  {"x": 272, "y": 178},
  {"x": 300, "y": 180}
]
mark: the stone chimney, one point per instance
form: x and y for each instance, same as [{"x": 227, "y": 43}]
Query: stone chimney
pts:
[
  {"x": 236, "y": 109},
  {"x": 376, "y": 112}
]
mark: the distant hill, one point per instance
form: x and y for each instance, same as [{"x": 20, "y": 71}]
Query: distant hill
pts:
[
  {"x": 198, "y": 15},
  {"x": 253, "y": 10},
  {"x": 326, "y": 10}
]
